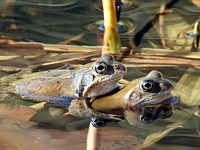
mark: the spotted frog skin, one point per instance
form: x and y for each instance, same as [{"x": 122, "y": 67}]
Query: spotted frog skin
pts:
[
  {"x": 91, "y": 80},
  {"x": 145, "y": 99}
]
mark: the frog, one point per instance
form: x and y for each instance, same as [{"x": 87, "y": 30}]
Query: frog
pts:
[
  {"x": 142, "y": 100},
  {"x": 61, "y": 87}
]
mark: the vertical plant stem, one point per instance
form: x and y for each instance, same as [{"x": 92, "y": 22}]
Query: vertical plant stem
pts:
[
  {"x": 93, "y": 142},
  {"x": 111, "y": 42},
  {"x": 161, "y": 25}
]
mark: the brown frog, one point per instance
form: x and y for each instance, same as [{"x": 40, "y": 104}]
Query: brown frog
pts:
[
  {"x": 143, "y": 100},
  {"x": 90, "y": 81}
]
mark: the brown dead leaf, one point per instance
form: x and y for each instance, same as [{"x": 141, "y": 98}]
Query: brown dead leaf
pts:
[
  {"x": 112, "y": 138},
  {"x": 21, "y": 49},
  {"x": 19, "y": 112},
  {"x": 153, "y": 138},
  {"x": 14, "y": 61},
  {"x": 38, "y": 106},
  {"x": 32, "y": 139},
  {"x": 196, "y": 2}
]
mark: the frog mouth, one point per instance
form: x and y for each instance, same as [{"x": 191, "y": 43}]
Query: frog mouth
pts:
[
  {"x": 102, "y": 85},
  {"x": 154, "y": 99},
  {"x": 107, "y": 80},
  {"x": 110, "y": 78}
]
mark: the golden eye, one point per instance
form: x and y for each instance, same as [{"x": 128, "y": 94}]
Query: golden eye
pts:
[
  {"x": 100, "y": 68},
  {"x": 147, "y": 85}
]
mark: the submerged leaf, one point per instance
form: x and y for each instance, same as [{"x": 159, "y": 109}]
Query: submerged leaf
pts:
[
  {"x": 48, "y": 112},
  {"x": 38, "y": 106},
  {"x": 161, "y": 128},
  {"x": 20, "y": 112},
  {"x": 188, "y": 87},
  {"x": 153, "y": 138},
  {"x": 9, "y": 69},
  {"x": 197, "y": 113}
]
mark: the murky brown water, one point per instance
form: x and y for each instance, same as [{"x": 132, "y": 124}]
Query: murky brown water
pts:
[{"x": 52, "y": 22}]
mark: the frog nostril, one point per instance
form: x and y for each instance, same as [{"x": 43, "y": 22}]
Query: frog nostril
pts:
[
  {"x": 119, "y": 67},
  {"x": 116, "y": 66}
]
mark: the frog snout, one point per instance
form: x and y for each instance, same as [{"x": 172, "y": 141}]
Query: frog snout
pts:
[{"x": 166, "y": 86}]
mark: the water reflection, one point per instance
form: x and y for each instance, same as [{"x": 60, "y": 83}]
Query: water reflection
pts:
[
  {"x": 126, "y": 5},
  {"x": 55, "y": 21},
  {"x": 125, "y": 28},
  {"x": 47, "y": 3}
]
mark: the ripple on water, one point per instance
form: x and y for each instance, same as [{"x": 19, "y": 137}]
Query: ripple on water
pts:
[
  {"x": 125, "y": 27},
  {"x": 57, "y": 3}
]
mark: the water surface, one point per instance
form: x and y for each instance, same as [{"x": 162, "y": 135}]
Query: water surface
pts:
[{"x": 52, "y": 22}]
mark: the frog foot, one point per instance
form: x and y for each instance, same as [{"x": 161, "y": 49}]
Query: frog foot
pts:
[{"x": 98, "y": 123}]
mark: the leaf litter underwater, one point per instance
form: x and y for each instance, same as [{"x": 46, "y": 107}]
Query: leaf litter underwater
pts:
[{"x": 29, "y": 128}]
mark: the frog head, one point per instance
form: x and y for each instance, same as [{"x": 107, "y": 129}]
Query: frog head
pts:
[
  {"x": 151, "y": 89},
  {"x": 100, "y": 78},
  {"x": 150, "y": 98}
]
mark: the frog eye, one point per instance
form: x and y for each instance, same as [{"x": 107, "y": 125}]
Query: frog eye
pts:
[
  {"x": 147, "y": 85},
  {"x": 100, "y": 68}
]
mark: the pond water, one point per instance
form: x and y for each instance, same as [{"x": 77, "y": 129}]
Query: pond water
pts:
[
  {"x": 80, "y": 23},
  {"x": 56, "y": 21}
]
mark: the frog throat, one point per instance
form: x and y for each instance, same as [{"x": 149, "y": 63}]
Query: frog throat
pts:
[
  {"x": 101, "y": 86},
  {"x": 101, "y": 115}
]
